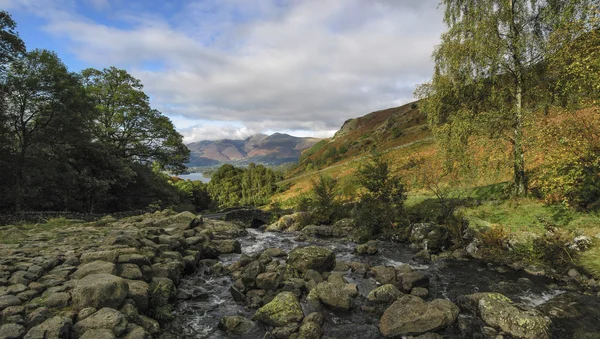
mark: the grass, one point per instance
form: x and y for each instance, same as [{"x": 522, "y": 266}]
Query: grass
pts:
[
  {"x": 590, "y": 261},
  {"x": 19, "y": 233}
]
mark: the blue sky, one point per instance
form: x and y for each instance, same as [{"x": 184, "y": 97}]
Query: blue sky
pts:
[{"x": 232, "y": 68}]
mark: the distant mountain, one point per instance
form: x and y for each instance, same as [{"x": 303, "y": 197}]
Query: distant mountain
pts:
[{"x": 272, "y": 149}]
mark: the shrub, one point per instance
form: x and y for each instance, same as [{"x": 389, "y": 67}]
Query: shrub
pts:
[
  {"x": 553, "y": 249},
  {"x": 382, "y": 203},
  {"x": 323, "y": 202}
]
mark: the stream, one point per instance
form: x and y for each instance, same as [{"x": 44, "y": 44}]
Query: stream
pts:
[{"x": 573, "y": 315}]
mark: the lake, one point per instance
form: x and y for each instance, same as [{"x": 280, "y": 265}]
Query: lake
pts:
[{"x": 194, "y": 176}]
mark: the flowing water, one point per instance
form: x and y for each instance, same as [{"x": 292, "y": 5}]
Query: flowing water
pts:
[{"x": 573, "y": 315}]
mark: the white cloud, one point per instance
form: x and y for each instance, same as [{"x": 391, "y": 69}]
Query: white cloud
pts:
[{"x": 265, "y": 65}]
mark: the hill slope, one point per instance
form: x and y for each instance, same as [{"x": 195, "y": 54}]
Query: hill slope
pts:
[{"x": 261, "y": 149}]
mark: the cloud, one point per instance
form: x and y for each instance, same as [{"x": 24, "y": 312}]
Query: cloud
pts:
[{"x": 242, "y": 67}]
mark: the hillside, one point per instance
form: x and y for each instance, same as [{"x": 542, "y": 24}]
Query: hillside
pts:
[{"x": 272, "y": 149}]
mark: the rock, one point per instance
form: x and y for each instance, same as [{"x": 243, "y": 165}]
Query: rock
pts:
[
  {"x": 138, "y": 292},
  {"x": 11, "y": 331},
  {"x": 129, "y": 271},
  {"x": 292, "y": 222},
  {"x": 229, "y": 246},
  {"x": 411, "y": 280},
  {"x": 334, "y": 296},
  {"x": 136, "y": 332},
  {"x": 312, "y": 257},
  {"x": 236, "y": 325},
  {"x": 134, "y": 258},
  {"x": 581, "y": 243},
  {"x": 423, "y": 256},
  {"x": 9, "y": 300},
  {"x": 429, "y": 236},
  {"x": 250, "y": 272},
  {"x": 57, "y": 327},
  {"x": 268, "y": 281},
  {"x": 411, "y": 315},
  {"x": 321, "y": 231},
  {"x": 58, "y": 300},
  {"x": 94, "y": 267},
  {"x": 282, "y": 310},
  {"x": 384, "y": 274},
  {"x": 420, "y": 292},
  {"x": 274, "y": 252},
  {"x": 196, "y": 221},
  {"x": 101, "y": 333},
  {"x": 108, "y": 256},
  {"x": 385, "y": 294},
  {"x": 105, "y": 318},
  {"x": 86, "y": 312},
  {"x": 237, "y": 295},
  {"x": 38, "y": 316},
  {"x": 366, "y": 249},
  {"x": 284, "y": 332},
  {"x": 499, "y": 312},
  {"x": 100, "y": 290}
]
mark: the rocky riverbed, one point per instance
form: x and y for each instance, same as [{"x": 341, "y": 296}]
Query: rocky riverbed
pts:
[{"x": 173, "y": 275}]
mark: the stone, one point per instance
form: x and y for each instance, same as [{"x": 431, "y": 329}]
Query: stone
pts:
[
  {"x": 138, "y": 292},
  {"x": 316, "y": 258},
  {"x": 129, "y": 271},
  {"x": 268, "y": 281},
  {"x": 499, "y": 312},
  {"x": 58, "y": 300},
  {"x": 236, "y": 325},
  {"x": 38, "y": 316},
  {"x": 282, "y": 310},
  {"x": 100, "y": 290},
  {"x": 321, "y": 231},
  {"x": 410, "y": 315},
  {"x": 366, "y": 249},
  {"x": 56, "y": 327},
  {"x": 11, "y": 331},
  {"x": 229, "y": 246},
  {"x": 134, "y": 258},
  {"x": 100, "y": 333},
  {"x": 94, "y": 267},
  {"x": 250, "y": 272},
  {"x": 105, "y": 318},
  {"x": 274, "y": 252},
  {"x": 384, "y": 274},
  {"x": 420, "y": 292},
  {"x": 136, "y": 332},
  {"x": 334, "y": 296},
  {"x": 411, "y": 280},
  {"x": 385, "y": 294},
  {"x": 108, "y": 256},
  {"x": 150, "y": 325},
  {"x": 86, "y": 312},
  {"x": 9, "y": 300}
]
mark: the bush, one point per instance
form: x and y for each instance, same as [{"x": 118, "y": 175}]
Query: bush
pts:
[
  {"x": 323, "y": 202},
  {"x": 382, "y": 203}
]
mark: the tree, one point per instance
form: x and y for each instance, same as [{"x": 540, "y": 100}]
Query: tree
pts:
[
  {"x": 489, "y": 69},
  {"x": 45, "y": 104},
  {"x": 11, "y": 45},
  {"x": 323, "y": 201},
  {"x": 126, "y": 120}
]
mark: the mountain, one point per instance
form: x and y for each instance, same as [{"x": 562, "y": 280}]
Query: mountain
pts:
[{"x": 272, "y": 149}]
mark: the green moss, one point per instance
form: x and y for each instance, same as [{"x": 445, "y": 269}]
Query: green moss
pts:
[{"x": 282, "y": 310}]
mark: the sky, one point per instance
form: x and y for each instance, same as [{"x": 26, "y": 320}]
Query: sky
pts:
[{"x": 232, "y": 68}]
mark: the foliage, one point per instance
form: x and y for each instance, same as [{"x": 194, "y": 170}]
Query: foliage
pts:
[
  {"x": 252, "y": 186},
  {"x": 381, "y": 204},
  {"x": 489, "y": 69},
  {"x": 553, "y": 249},
  {"x": 196, "y": 191},
  {"x": 323, "y": 204},
  {"x": 590, "y": 261}
]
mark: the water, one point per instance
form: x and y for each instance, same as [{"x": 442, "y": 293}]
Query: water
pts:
[
  {"x": 194, "y": 176},
  {"x": 573, "y": 315}
]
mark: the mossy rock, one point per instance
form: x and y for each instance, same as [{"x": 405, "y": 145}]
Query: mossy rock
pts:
[
  {"x": 316, "y": 258},
  {"x": 282, "y": 310}
]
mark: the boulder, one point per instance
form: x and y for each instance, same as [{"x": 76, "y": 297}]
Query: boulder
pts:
[
  {"x": 94, "y": 267},
  {"x": 129, "y": 271},
  {"x": 9, "y": 300},
  {"x": 282, "y": 310},
  {"x": 57, "y": 327},
  {"x": 235, "y": 325},
  {"x": 274, "y": 252},
  {"x": 410, "y": 315},
  {"x": 138, "y": 292},
  {"x": 334, "y": 295},
  {"x": 268, "y": 281},
  {"x": 499, "y": 312},
  {"x": 410, "y": 280},
  {"x": 384, "y": 274},
  {"x": 321, "y": 231},
  {"x": 101, "y": 333},
  {"x": 385, "y": 294},
  {"x": 316, "y": 258},
  {"x": 366, "y": 249},
  {"x": 105, "y": 318},
  {"x": 229, "y": 246},
  {"x": 100, "y": 290},
  {"x": 11, "y": 331},
  {"x": 108, "y": 256},
  {"x": 291, "y": 222}
]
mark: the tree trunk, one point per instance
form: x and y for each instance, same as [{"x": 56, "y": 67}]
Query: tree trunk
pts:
[
  {"x": 520, "y": 177},
  {"x": 19, "y": 186}
]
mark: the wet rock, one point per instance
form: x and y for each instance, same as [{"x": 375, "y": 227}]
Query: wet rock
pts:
[
  {"x": 94, "y": 267},
  {"x": 341, "y": 266},
  {"x": 499, "y": 312},
  {"x": 38, "y": 316},
  {"x": 274, "y": 252},
  {"x": 334, "y": 296},
  {"x": 58, "y": 300},
  {"x": 411, "y": 315},
  {"x": 420, "y": 292},
  {"x": 359, "y": 268},
  {"x": 366, "y": 249},
  {"x": 16, "y": 289},
  {"x": 385, "y": 294},
  {"x": 282, "y": 310},
  {"x": 410, "y": 280},
  {"x": 237, "y": 295},
  {"x": 100, "y": 290},
  {"x": 423, "y": 256},
  {"x": 11, "y": 331},
  {"x": 86, "y": 312},
  {"x": 236, "y": 325},
  {"x": 284, "y": 332},
  {"x": 57, "y": 327},
  {"x": 137, "y": 259},
  {"x": 250, "y": 272},
  {"x": 136, "y": 332},
  {"x": 312, "y": 275},
  {"x": 292, "y": 222},
  {"x": 429, "y": 236},
  {"x": 320, "y": 231},
  {"x": 312, "y": 257},
  {"x": 138, "y": 292},
  {"x": 105, "y": 318},
  {"x": 196, "y": 221},
  {"x": 161, "y": 293}
]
